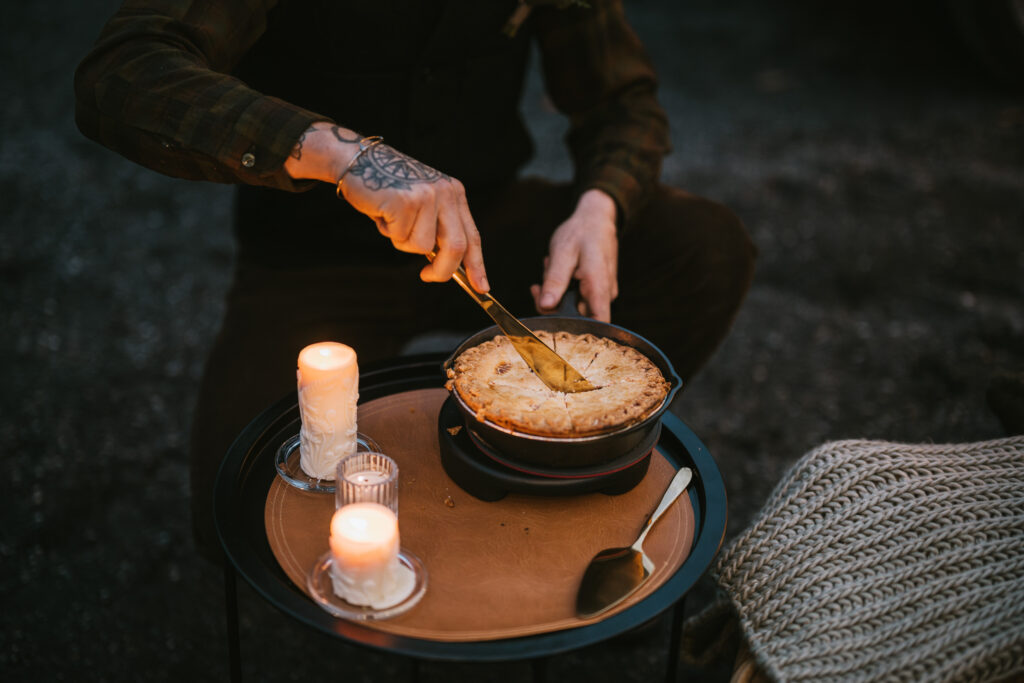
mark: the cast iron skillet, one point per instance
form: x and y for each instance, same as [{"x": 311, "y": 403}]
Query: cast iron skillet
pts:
[{"x": 568, "y": 452}]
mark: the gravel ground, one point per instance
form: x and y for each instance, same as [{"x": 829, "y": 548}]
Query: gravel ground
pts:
[{"x": 880, "y": 172}]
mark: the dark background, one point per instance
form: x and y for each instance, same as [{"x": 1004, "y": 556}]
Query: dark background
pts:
[{"x": 879, "y": 168}]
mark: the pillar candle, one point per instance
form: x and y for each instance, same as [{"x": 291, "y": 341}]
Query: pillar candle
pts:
[
  {"x": 328, "y": 384},
  {"x": 365, "y": 569}
]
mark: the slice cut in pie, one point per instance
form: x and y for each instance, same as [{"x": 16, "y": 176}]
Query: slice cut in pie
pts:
[{"x": 499, "y": 387}]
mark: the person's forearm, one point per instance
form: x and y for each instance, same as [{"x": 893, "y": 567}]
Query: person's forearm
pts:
[
  {"x": 618, "y": 131},
  {"x": 155, "y": 89}
]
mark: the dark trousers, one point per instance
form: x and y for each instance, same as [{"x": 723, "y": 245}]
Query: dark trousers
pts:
[{"x": 685, "y": 264}]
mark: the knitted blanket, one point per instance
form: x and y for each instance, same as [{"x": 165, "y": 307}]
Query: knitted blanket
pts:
[{"x": 884, "y": 561}]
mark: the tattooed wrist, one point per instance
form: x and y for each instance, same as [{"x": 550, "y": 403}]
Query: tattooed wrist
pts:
[{"x": 384, "y": 167}]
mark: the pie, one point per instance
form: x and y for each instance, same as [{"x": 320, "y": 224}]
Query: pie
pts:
[{"x": 497, "y": 384}]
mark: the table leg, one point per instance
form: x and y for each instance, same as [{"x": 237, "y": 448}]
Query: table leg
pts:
[
  {"x": 231, "y": 615},
  {"x": 675, "y": 635}
]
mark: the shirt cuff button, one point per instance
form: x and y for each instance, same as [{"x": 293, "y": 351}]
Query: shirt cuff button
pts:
[{"x": 248, "y": 160}]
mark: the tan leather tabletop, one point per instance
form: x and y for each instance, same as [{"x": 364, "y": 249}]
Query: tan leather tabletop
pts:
[{"x": 495, "y": 570}]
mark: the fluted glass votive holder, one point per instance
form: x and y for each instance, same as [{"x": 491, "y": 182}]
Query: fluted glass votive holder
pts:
[{"x": 367, "y": 478}]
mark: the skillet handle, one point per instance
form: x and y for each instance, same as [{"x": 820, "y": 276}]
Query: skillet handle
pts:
[{"x": 567, "y": 307}]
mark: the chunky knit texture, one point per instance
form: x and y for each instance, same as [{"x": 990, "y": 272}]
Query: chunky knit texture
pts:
[{"x": 883, "y": 561}]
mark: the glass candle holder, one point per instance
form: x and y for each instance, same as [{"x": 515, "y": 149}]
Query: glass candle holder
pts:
[
  {"x": 366, "y": 574},
  {"x": 367, "y": 478}
]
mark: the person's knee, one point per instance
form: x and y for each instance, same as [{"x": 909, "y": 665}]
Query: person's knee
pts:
[
  {"x": 730, "y": 248},
  {"x": 685, "y": 267},
  {"x": 704, "y": 235}
]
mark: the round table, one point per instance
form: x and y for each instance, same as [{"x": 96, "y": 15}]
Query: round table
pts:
[{"x": 248, "y": 471}]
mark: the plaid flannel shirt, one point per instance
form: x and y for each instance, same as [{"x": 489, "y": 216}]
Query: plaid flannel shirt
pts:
[{"x": 158, "y": 88}]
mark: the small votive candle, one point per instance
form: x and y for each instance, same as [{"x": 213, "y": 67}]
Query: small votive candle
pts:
[
  {"x": 367, "y": 478},
  {"x": 364, "y": 549},
  {"x": 328, "y": 386}
]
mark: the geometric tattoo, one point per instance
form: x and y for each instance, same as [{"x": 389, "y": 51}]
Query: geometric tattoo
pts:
[{"x": 383, "y": 167}]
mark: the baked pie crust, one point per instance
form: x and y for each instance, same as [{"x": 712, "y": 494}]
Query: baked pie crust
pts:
[{"x": 497, "y": 384}]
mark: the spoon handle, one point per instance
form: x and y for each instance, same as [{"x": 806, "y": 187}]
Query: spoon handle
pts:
[{"x": 675, "y": 487}]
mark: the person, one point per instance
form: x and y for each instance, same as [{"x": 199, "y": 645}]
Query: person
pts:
[{"x": 290, "y": 102}]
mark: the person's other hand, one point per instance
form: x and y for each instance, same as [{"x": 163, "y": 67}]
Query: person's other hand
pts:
[
  {"x": 415, "y": 206},
  {"x": 584, "y": 247}
]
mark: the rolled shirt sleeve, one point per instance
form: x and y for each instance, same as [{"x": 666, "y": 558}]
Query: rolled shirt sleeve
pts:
[
  {"x": 598, "y": 73},
  {"x": 157, "y": 89}
]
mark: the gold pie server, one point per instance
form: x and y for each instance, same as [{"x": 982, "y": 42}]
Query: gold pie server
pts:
[
  {"x": 615, "y": 573},
  {"x": 551, "y": 368}
]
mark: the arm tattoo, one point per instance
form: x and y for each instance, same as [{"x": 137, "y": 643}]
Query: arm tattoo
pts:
[
  {"x": 338, "y": 135},
  {"x": 383, "y": 167},
  {"x": 297, "y": 149}
]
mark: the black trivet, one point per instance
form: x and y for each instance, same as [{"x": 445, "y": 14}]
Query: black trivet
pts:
[{"x": 484, "y": 473}]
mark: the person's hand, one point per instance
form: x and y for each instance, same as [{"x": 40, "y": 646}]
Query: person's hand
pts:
[
  {"x": 415, "y": 206},
  {"x": 419, "y": 209},
  {"x": 584, "y": 247}
]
